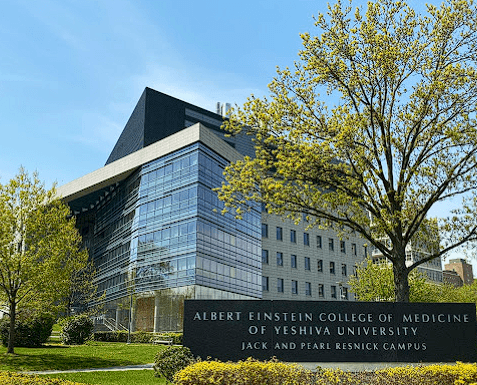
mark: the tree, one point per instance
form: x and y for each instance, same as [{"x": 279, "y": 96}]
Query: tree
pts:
[
  {"x": 375, "y": 282},
  {"x": 400, "y": 140},
  {"x": 40, "y": 247},
  {"x": 83, "y": 291}
]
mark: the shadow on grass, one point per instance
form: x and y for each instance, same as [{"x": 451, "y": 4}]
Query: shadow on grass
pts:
[{"x": 46, "y": 361}]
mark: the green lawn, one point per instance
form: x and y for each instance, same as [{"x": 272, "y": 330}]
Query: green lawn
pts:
[
  {"x": 129, "y": 377},
  {"x": 93, "y": 355}
]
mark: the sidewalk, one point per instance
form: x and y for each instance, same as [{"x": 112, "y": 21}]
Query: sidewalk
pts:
[
  {"x": 346, "y": 366},
  {"x": 114, "y": 368}
]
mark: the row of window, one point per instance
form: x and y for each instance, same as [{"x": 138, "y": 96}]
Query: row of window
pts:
[
  {"x": 306, "y": 263},
  {"x": 306, "y": 239},
  {"x": 308, "y": 288}
]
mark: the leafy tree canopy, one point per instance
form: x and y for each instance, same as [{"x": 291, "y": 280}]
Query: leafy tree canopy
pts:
[
  {"x": 374, "y": 282},
  {"x": 400, "y": 139},
  {"x": 40, "y": 248}
]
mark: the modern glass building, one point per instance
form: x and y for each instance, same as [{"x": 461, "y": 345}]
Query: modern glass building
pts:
[{"x": 153, "y": 225}]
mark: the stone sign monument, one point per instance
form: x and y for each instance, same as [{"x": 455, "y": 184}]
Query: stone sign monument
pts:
[{"x": 321, "y": 331}]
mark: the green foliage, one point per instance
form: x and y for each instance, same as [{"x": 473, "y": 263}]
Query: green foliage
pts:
[
  {"x": 252, "y": 372},
  {"x": 400, "y": 137},
  {"x": 77, "y": 330},
  {"x": 176, "y": 337},
  {"x": 9, "y": 378},
  {"x": 113, "y": 377},
  {"x": 136, "y": 337},
  {"x": 375, "y": 282},
  {"x": 462, "y": 374},
  {"x": 171, "y": 360},
  {"x": 248, "y": 372},
  {"x": 31, "y": 331},
  {"x": 111, "y": 336},
  {"x": 40, "y": 247}
]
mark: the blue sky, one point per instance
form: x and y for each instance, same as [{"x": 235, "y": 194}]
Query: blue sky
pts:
[{"x": 72, "y": 70}]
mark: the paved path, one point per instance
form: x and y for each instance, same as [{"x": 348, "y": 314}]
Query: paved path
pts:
[
  {"x": 346, "y": 366},
  {"x": 114, "y": 368}
]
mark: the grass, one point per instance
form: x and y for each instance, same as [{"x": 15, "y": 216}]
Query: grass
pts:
[
  {"x": 92, "y": 355},
  {"x": 128, "y": 377}
]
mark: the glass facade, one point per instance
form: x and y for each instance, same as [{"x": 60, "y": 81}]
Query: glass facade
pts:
[
  {"x": 161, "y": 231},
  {"x": 183, "y": 239}
]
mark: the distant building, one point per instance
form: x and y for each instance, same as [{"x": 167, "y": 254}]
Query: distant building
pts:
[
  {"x": 463, "y": 269},
  {"x": 151, "y": 221},
  {"x": 451, "y": 277},
  {"x": 431, "y": 269}
]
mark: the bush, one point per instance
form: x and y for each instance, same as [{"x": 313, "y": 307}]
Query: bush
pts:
[
  {"x": 171, "y": 360},
  {"x": 248, "y": 372},
  {"x": 176, "y": 337},
  {"x": 252, "y": 372},
  {"x": 136, "y": 337},
  {"x": 112, "y": 336},
  {"x": 26, "y": 379},
  {"x": 77, "y": 330},
  {"x": 30, "y": 332}
]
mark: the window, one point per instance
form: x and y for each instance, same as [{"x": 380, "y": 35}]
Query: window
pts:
[
  {"x": 279, "y": 258},
  {"x": 332, "y": 268},
  {"x": 354, "y": 251},
  {"x": 321, "y": 291},
  {"x": 333, "y": 291},
  {"x": 294, "y": 287},
  {"x": 264, "y": 283},
  {"x": 343, "y": 246},
  {"x": 344, "y": 293},
  {"x": 293, "y": 261},
  {"x": 264, "y": 230},
  {"x": 320, "y": 265},
  {"x": 279, "y": 234},
  {"x": 343, "y": 269},
  {"x": 307, "y": 263},
  {"x": 280, "y": 285},
  {"x": 318, "y": 241},
  {"x": 306, "y": 239},
  {"x": 308, "y": 288},
  {"x": 293, "y": 236},
  {"x": 331, "y": 244},
  {"x": 265, "y": 256}
]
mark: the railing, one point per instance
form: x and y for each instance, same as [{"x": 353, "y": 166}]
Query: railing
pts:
[{"x": 110, "y": 323}]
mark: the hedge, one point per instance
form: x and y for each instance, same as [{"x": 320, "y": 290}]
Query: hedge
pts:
[
  {"x": 249, "y": 372},
  {"x": 136, "y": 337},
  {"x": 253, "y": 372},
  {"x": 10, "y": 378}
]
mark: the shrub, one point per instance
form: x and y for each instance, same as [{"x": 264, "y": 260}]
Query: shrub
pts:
[
  {"x": 30, "y": 332},
  {"x": 252, "y": 372},
  {"x": 26, "y": 379},
  {"x": 136, "y": 337},
  {"x": 141, "y": 337},
  {"x": 77, "y": 330},
  {"x": 122, "y": 336},
  {"x": 176, "y": 337},
  {"x": 248, "y": 372},
  {"x": 171, "y": 360},
  {"x": 111, "y": 336}
]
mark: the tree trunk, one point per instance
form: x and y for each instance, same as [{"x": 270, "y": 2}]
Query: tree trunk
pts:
[
  {"x": 401, "y": 281},
  {"x": 11, "y": 333}
]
